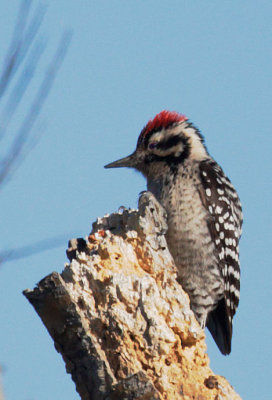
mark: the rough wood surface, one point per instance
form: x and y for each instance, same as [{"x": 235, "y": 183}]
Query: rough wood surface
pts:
[{"x": 120, "y": 319}]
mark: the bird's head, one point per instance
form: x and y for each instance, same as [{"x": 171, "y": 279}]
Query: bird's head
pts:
[{"x": 167, "y": 139}]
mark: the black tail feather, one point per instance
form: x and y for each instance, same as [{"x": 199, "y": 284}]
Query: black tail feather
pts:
[{"x": 220, "y": 327}]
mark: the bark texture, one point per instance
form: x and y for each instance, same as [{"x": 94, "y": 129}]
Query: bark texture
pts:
[{"x": 120, "y": 319}]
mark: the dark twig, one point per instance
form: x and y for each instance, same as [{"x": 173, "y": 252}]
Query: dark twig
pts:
[
  {"x": 18, "y": 50},
  {"x": 20, "y": 42},
  {"x": 20, "y": 64},
  {"x": 20, "y": 87},
  {"x": 33, "y": 248}
]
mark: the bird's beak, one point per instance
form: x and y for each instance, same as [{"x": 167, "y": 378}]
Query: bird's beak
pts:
[{"x": 129, "y": 161}]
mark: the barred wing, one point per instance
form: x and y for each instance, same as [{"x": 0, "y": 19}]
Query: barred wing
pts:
[{"x": 222, "y": 202}]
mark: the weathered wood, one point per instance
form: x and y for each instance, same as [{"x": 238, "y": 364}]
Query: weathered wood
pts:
[{"x": 120, "y": 319}]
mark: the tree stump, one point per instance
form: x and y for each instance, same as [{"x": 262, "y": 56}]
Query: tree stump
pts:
[{"x": 120, "y": 319}]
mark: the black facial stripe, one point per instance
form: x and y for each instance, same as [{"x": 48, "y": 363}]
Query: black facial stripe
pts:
[
  {"x": 171, "y": 142},
  {"x": 171, "y": 160},
  {"x": 144, "y": 139}
]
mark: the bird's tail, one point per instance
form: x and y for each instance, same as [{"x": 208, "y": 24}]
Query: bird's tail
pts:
[{"x": 220, "y": 327}]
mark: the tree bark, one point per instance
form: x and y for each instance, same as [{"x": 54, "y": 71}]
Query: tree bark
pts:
[{"x": 119, "y": 318}]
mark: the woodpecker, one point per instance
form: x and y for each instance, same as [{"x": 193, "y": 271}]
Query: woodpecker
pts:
[{"x": 204, "y": 217}]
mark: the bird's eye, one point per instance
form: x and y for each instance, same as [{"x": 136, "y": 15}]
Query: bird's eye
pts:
[{"x": 152, "y": 145}]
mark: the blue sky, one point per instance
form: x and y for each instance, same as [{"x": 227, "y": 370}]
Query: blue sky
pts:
[{"x": 129, "y": 60}]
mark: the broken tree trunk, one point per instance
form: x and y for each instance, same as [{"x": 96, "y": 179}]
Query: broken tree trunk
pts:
[{"x": 119, "y": 318}]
